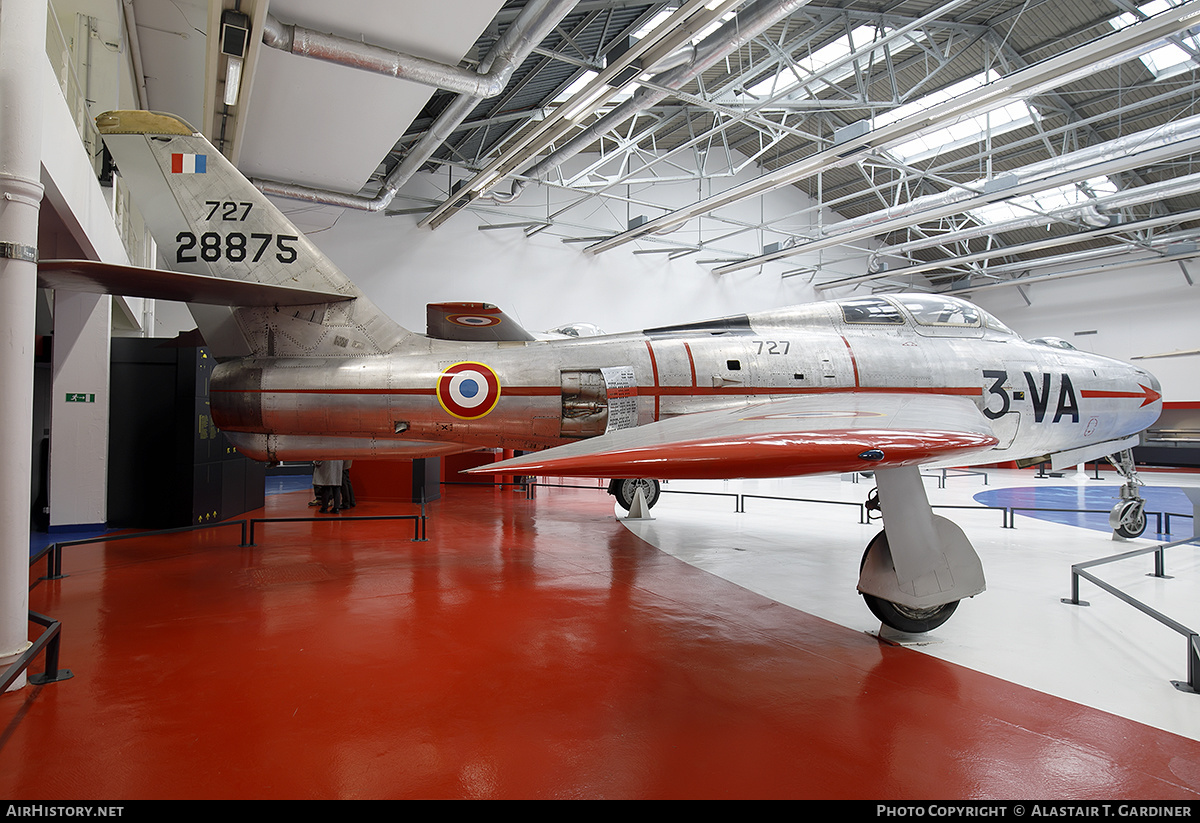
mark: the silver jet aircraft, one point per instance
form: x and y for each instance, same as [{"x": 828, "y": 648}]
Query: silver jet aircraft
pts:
[{"x": 310, "y": 368}]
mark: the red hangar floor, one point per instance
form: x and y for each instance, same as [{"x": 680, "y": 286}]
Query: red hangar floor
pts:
[{"x": 544, "y": 649}]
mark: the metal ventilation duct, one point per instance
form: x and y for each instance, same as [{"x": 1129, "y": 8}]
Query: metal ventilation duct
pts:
[
  {"x": 535, "y": 23},
  {"x": 366, "y": 57},
  {"x": 1124, "y": 153},
  {"x": 1095, "y": 212}
]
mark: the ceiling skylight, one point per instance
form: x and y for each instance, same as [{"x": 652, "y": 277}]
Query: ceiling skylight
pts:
[
  {"x": 798, "y": 82},
  {"x": 1168, "y": 60},
  {"x": 966, "y": 131}
]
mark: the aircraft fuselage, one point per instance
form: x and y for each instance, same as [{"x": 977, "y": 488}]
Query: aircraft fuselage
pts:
[{"x": 448, "y": 396}]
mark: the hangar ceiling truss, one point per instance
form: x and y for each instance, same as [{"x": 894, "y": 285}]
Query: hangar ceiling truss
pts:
[{"x": 961, "y": 145}]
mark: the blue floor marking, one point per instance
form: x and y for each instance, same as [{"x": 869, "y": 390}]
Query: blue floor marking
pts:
[
  {"x": 276, "y": 484},
  {"x": 40, "y": 540},
  {"x": 281, "y": 483},
  {"x": 1099, "y": 498}
]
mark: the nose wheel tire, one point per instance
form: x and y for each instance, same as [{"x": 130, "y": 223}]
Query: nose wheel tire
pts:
[
  {"x": 1128, "y": 518},
  {"x": 625, "y": 490}
]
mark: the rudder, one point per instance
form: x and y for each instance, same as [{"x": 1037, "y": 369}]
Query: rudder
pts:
[{"x": 208, "y": 219}]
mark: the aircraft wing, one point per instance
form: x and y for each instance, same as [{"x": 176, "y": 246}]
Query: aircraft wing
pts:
[
  {"x": 110, "y": 278},
  {"x": 810, "y": 434}
]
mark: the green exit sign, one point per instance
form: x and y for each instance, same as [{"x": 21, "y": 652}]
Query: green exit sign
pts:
[{"x": 80, "y": 397}]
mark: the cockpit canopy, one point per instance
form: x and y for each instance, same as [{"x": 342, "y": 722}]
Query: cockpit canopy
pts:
[
  {"x": 1053, "y": 342},
  {"x": 930, "y": 311}
]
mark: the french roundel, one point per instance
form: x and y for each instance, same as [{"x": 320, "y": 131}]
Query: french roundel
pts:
[
  {"x": 476, "y": 320},
  {"x": 468, "y": 390}
]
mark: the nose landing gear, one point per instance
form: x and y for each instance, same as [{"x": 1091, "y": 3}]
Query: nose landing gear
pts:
[{"x": 1128, "y": 517}]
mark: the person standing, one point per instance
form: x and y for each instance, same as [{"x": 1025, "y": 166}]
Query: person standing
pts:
[
  {"x": 327, "y": 476},
  {"x": 347, "y": 487}
]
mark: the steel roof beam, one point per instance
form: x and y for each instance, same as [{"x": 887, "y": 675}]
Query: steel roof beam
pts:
[
  {"x": 1020, "y": 248},
  {"x": 759, "y": 14},
  {"x": 1108, "y": 158},
  {"x": 1048, "y": 74}
]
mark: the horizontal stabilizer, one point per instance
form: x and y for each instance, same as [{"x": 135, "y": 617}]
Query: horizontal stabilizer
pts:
[
  {"x": 473, "y": 322},
  {"x": 814, "y": 434},
  {"x": 159, "y": 284}
]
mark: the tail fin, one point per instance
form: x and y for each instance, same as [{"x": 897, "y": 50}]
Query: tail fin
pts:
[{"x": 208, "y": 219}]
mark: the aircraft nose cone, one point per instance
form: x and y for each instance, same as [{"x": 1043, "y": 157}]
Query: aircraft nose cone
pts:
[
  {"x": 1150, "y": 387},
  {"x": 1154, "y": 384}
]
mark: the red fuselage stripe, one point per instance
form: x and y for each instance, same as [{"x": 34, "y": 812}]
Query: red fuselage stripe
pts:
[
  {"x": 654, "y": 369},
  {"x": 853, "y": 360},
  {"x": 656, "y": 391},
  {"x": 691, "y": 362}
]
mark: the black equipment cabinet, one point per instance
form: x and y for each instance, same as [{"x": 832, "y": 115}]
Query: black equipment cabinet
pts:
[{"x": 168, "y": 465}]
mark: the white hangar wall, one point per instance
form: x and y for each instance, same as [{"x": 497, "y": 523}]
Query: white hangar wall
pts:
[
  {"x": 543, "y": 282},
  {"x": 1131, "y": 313}
]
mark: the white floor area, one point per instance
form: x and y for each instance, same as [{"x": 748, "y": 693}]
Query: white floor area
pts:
[{"x": 1107, "y": 655}]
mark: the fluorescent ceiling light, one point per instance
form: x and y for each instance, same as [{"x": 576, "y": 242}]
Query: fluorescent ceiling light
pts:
[
  {"x": 657, "y": 20},
  {"x": 233, "y": 80},
  {"x": 653, "y": 23},
  {"x": 581, "y": 108}
]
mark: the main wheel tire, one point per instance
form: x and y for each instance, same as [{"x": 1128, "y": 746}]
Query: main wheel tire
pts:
[
  {"x": 903, "y": 618},
  {"x": 1128, "y": 519},
  {"x": 909, "y": 620},
  {"x": 625, "y": 490}
]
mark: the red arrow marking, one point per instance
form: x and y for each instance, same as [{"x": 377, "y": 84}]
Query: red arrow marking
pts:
[{"x": 1147, "y": 394}]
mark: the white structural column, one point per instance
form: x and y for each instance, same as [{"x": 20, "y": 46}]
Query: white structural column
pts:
[
  {"x": 22, "y": 55},
  {"x": 79, "y": 409}
]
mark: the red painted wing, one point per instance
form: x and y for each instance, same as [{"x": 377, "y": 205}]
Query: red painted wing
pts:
[{"x": 813, "y": 434}]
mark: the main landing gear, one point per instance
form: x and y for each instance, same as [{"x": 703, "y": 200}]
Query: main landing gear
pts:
[
  {"x": 1128, "y": 517},
  {"x": 899, "y": 617},
  {"x": 625, "y": 490},
  {"x": 915, "y": 572}
]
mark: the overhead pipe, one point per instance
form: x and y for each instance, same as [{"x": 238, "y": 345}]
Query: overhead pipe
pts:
[
  {"x": 1099, "y": 268},
  {"x": 537, "y": 20},
  {"x": 366, "y": 57},
  {"x": 1021, "y": 248},
  {"x": 1095, "y": 212},
  {"x": 1076, "y": 165},
  {"x": 750, "y": 22},
  {"x": 135, "y": 52},
  {"x": 1036, "y": 79},
  {"x": 1081, "y": 160}
]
